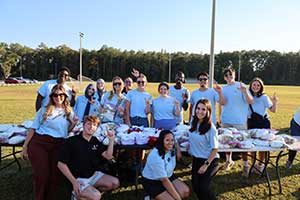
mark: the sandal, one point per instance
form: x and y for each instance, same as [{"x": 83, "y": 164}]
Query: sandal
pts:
[{"x": 227, "y": 166}]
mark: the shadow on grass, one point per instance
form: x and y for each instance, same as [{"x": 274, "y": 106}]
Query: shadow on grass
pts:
[{"x": 15, "y": 185}]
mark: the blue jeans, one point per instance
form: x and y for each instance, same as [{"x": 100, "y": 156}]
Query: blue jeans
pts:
[
  {"x": 139, "y": 121},
  {"x": 295, "y": 131}
]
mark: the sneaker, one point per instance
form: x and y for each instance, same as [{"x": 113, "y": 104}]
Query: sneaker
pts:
[
  {"x": 288, "y": 164},
  {"x": 227, "y": 166},
  {"x": 245, "y": 172}
]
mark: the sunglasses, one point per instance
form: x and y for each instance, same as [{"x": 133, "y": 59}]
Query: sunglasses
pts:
[
  {"x": 202, "y": 79},
  {"x": 117, "y": 83},
  {"x": 228, "y": 74},
  {"x": 65, "y": 75},
  {"x": 140, "y": 82},
  {"x": 60, "y": 95}
]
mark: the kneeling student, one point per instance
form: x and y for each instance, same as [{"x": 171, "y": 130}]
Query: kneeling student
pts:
[
  {"x": 158, "y": 175},
  {"x": 80, "y": 158}
]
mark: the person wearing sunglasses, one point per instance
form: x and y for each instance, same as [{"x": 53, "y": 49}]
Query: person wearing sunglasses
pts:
[
  {"x": 50, "y": 127},
  {"x": 214, "y": 95},
  {"x": 181, "y": 94},
  {"x": 43, "y": 92},
  {"x": 138, "y": 104},
  {"x": 128, "y": 85},
  {"x": 234, "y": 113},
  {"x": 113, "y": 102},
  {"x": 86, "y": 104}
]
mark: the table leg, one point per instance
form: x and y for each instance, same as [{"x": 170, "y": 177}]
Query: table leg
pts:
[
  {"x": 265, "y": 170},
  {"x": 253, "y": 163},
  {"x": 15, "y": 157},
  {"x": 278, "y": 172}
]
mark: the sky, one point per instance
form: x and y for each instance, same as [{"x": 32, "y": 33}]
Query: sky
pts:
[{"x": 153, "y": 25}]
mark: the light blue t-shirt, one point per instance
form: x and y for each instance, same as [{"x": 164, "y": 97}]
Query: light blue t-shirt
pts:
[
  {"x": 56, "y": 125},
  {"x": 235, "y": 111},
  {"x": 137, "y": 101},
  {"x": 297, "y": 116},
  {"x": 114, "y": 102},
  {"x": 178, "y": 95},
  {"x": 202, "y": 145},
  {"x": 209, "y": 94},
  {"x": 157, "y": 168},
  {"x": 45, "y": 91},
  {"x": 80, "y": 105},
  {"x": 163, "y": 108},
  {"x": 261, "y": 104}
]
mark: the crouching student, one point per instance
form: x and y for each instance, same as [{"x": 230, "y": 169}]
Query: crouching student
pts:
[
  {"x": 80, "y": 158},
  {"x": 158, "y": 175}
]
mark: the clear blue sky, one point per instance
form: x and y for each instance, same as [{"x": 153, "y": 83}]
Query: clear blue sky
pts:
[{"x": 152, "y": 25}]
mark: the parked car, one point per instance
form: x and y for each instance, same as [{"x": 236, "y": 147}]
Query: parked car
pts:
[
  {"x": 10, "y": 80},
  {"x": 28, "y": 80},
  {"x": 21, "y": 79}
]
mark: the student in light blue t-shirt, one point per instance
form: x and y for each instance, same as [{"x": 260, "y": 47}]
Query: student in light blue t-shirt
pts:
[
  {"x": 261, "y": 103},
  {"x": 234, "y": 112},
  {"x": 46, "y": 135},
  {"x": 138, "y": 104},
  {"x": 158, "y": 179},
  {"x": 181, "y": 94},
  {"x": 86, "y": 104},
  {"x": 203, "y": 138},
  {"x": 165, "y": 109},
  {"x": 114, "y": 102},
  {"x": 214, "y": 95}
]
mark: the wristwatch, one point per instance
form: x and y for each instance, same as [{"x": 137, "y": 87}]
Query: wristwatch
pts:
[{"x": 207, "y": 162}]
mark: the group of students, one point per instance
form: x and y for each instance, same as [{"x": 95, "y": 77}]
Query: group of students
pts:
[{"x": 79, "y": 156}]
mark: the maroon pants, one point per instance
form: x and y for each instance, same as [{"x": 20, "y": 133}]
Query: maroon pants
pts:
[{"x": 43, "y": 153}]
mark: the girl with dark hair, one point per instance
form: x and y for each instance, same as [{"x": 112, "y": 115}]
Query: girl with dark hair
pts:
[
  {"x": 203, "y": 140},
  {"x": 165, "y": 109},
  {"x": 261, "y": 103},
  {"x": 86, "y": 104},
  {"x": 46, "y": 135},
  {"x": 158, "y": 175}
]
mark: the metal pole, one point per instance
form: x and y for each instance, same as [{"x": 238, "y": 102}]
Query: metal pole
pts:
[
  {"x": 80, "y": 69},
  {"x": 21, "y": 75},
  {"x": 212, "y": 45},
  {"x": 240, "y": 62},
  {"x": 170, "y": 66}
]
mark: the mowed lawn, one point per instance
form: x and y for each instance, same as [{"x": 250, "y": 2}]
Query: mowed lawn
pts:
[{"x": 17, "y": 104}]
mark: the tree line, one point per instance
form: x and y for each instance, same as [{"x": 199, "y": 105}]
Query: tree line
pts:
[{"x": 43, "y": 63}]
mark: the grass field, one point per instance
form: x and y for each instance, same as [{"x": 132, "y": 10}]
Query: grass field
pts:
[{"x": 17, "y": 105}]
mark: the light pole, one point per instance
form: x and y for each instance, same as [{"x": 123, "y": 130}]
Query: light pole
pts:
[
  {"x": 80, "y": 65},
  {"x": 170, "y": 66},
  {"x": 212, "y": 46}
]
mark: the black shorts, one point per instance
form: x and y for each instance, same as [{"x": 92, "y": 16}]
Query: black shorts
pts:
[{"x": 154, "y": 187}]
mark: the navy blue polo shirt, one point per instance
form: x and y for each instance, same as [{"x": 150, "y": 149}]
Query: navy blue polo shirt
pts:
[{"x": 81, "y": 156}]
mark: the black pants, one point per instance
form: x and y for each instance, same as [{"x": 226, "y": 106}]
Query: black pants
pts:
[
  {"x": 295, "y": 131},
  {"x": 201, "y": 182}
]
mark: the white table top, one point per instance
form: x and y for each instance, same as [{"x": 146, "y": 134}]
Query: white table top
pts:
[{"x": 295, "y": 147}]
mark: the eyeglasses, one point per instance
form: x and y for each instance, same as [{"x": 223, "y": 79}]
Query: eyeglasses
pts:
[
  {"x": 228, "y": 74},
  {"x": 92, "y": 89},
  {"x": 60, "y": 95},
  {"x": 141, "y": 82},
  {"x": 65, "y": 75},
  {"x": 202, "y": 79},
  {"x": 117, "y": 83}
]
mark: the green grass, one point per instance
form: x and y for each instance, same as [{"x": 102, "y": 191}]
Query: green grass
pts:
[{"x": 17, "y": 104}]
